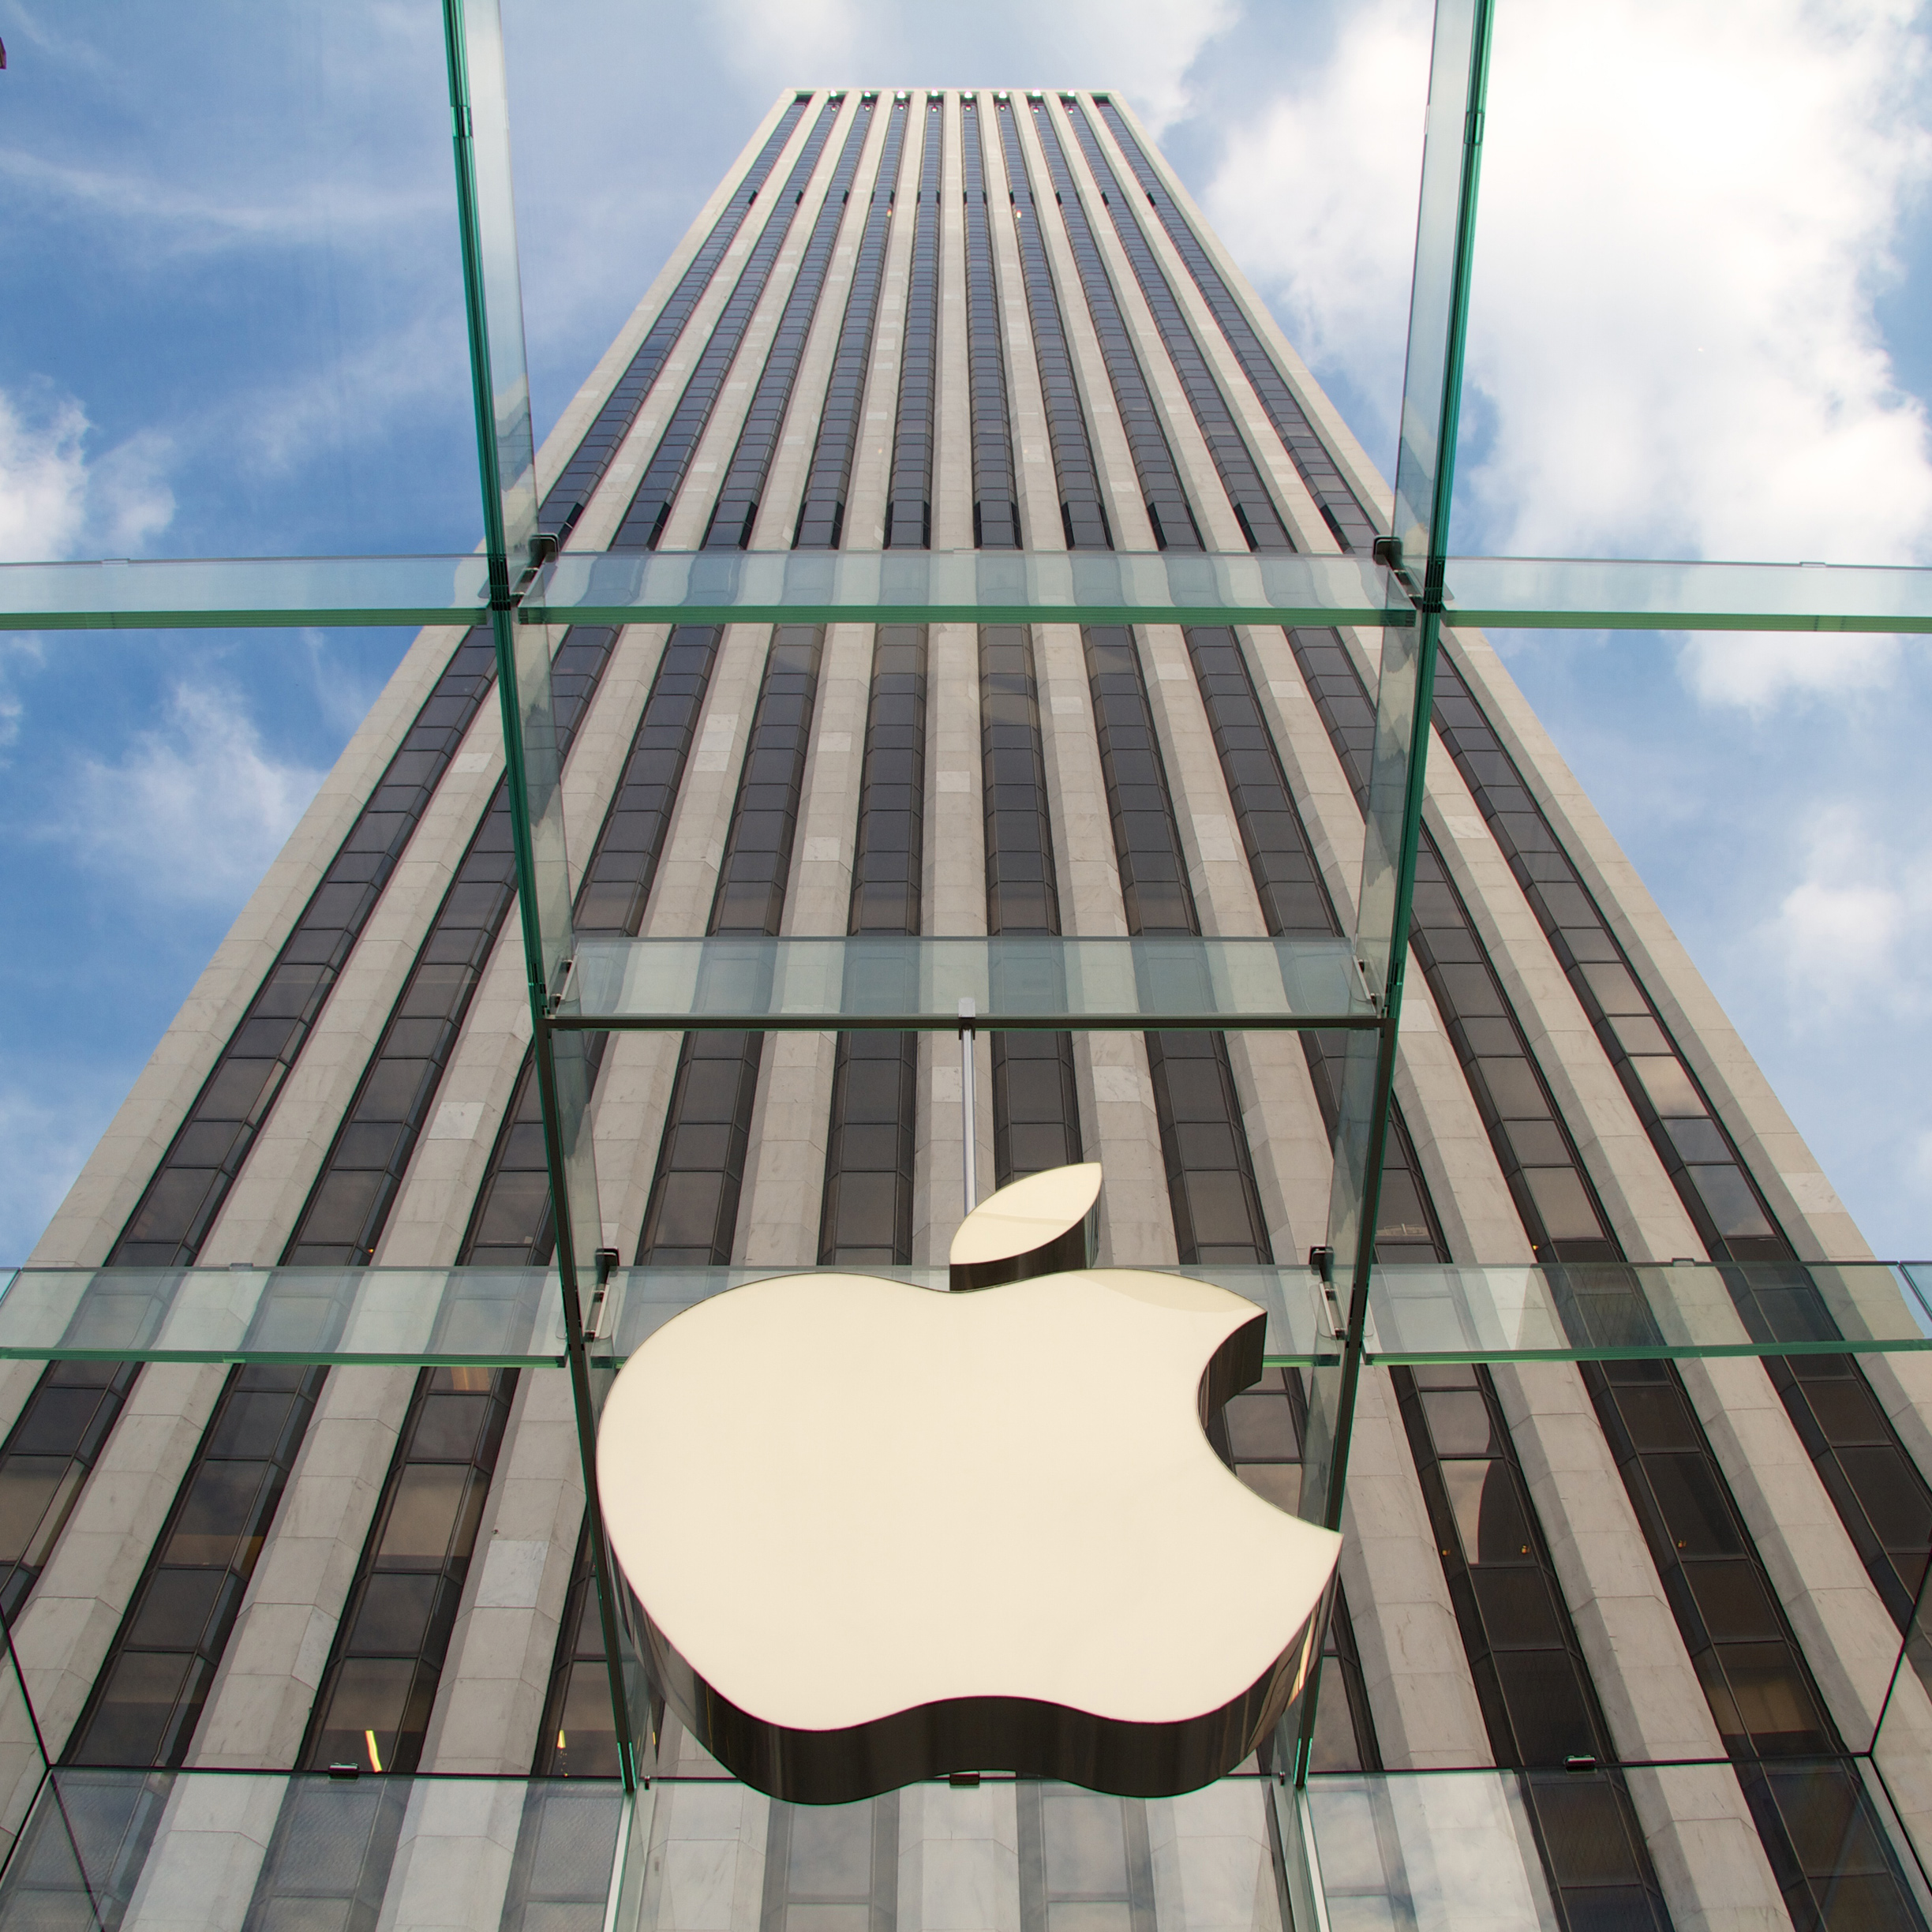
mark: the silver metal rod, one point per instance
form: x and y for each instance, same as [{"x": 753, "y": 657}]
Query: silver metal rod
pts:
[{"x": 968, "y": 1013}]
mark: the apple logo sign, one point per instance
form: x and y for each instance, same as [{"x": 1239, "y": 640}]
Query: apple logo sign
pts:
[{"x": 879, "y": 1534}]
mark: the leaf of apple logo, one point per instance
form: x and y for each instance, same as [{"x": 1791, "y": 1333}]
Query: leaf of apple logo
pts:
[{"x": 880, "y": 1534}]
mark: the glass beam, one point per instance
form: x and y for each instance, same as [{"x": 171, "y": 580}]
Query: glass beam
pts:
[
  {"x": 1416, "y": 551},
  {"x": 1499, "y": 593},
  {"x": 908, "y": 983},
  {"x": 479, "y": 103},
  {"x": 509, "y": 1317}
]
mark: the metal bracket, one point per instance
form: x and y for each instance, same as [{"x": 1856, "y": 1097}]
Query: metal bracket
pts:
[{"x": 559, "y": 988}]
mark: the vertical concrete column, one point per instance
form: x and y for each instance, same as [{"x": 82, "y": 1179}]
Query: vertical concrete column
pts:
[
  {"x": 259, "y": 1706},
  {"x": 208, "y": 1855},
  {"x": 451, "y": 1867},
  {"x": 785, "y": 485},
  {"x": 784, "y": 1165},
  {"x": 432, "y": 1210},
  {"x": 1849, "y": 1643},
  {"x": 89, "y": 1222},
  {"x": 953, "y": 477},
  {"x": 1116, "y": 1089},
  {"x": 1709, "y": 1859},
  {"x": 959, "y": 1858},
  {"x": 268, "y": 1195},
  {"x": 62, "y": 1636},
  {"x": 1033, "y": 467},
  {"x": 706, "y": 1871},
  {"x": 954, "y": 900},
  {"x": 496, "y": 1676},
  {"x": 1214, "y": 1869},
  {"x": 635, "y": 1088},
  {"x": 1414, "y": 1665},
  {"x": 1285, "y": 1133}
]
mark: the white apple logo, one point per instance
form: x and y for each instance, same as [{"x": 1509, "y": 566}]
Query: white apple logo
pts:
[{"x": 880, "y": 1534}]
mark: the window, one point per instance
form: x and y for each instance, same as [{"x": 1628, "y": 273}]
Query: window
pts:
[{"x": 373, "y": 1709}]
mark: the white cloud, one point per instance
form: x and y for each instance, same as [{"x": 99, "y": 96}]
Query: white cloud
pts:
[
  {"x": 56, "y": 501},
  {"x": 1686, "y": 215},
  {"x": 1850, "y": 935},
  {"x": 1144, "y": 48},
  {"x": 194, "y": 812},
  {"x": 1317, "y": 197}
]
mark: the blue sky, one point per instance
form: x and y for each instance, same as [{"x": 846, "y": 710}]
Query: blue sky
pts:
[{"x": 233, "y": 326}]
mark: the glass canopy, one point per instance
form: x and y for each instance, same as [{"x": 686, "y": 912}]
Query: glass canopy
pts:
[{"x": 1386, "y": 1848}]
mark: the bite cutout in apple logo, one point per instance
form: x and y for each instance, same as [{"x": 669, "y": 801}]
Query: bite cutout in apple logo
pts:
[{"x": 879, "y": 1534}]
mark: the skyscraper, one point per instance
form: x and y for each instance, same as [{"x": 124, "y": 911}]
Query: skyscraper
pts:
[{"x": 1669, "y": 1595}]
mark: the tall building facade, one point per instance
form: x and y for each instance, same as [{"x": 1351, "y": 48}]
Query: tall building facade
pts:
[{"x": 1669, "y": 1595}]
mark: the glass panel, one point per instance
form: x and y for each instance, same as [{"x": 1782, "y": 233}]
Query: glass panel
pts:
[
  {"x": 23, "y": 1751},
  {"x": 1427, "y": 1851},
  {"x": 202, "y": 592},
  {"x": 247, "y": 316},
  {"x": 1439, "y": 296},
  {"x": 272, "y": 1850},
  {"x": 1418, "y": 1311},
  {"x": 1901, "y": 1747},
  {"x": 487, "y": 213},
  {"x": 885, "y": 980},
  {"x": 1596, "y": 593},
  {"x": 909, "y": 586},
  {"x": 1010, "y": 587}
]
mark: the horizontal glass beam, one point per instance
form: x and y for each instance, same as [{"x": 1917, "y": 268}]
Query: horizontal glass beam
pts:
[
  {"x": 244, "y": 592},
  {"x": 915, "y": 984},
  {"x": 1506, "y": 593},
  {"x": 903, "y": 586},
  {"x": 969, "y": 587},
  {"x": 508, "y": 1317}
]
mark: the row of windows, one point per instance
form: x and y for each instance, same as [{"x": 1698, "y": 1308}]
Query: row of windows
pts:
[
  {"x": 821, "y": 509},
  {"x": 1880, "y": 1494},
  {"x": 693, "y": 1214},
  {"x": 1035, "y": 1097},
  {"x": 510, "y": 1225},
  {"x": 150, "y": 1690},
  {"x": 1761, "y": 1691},
  {"x": 909, "y": 501},
  {"x": 736, "y": 512},
  {"x": 996, "y": 496},
  {"x": 1346, "y": 520},
  {"x": 54, "y": 1441},
  {"x": 186, "y": 1192},
  {"x": 373, "y": 1707},
  {"x": 1254, "y": 508},
  {"x": 1217, "y": 1212},
  {"x": 1538, "y": 1704},
  {"x": 1296, "y": 905},
  {"x": 180, "y": 1203},
  {"x": 867, "y": 1215},
  {"x": 349, "y": 1203},
  {"x": 1259, "y": 1435},
  {"x": 580, "y": 477},
  {"x": 1830, "y": 1857},
  {"x": 1533, "y": 1144},
  {"x": 650, "y": 509},
  {"x": 1082, "y": 510},
  {"x": 1167, "y": 507}
]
